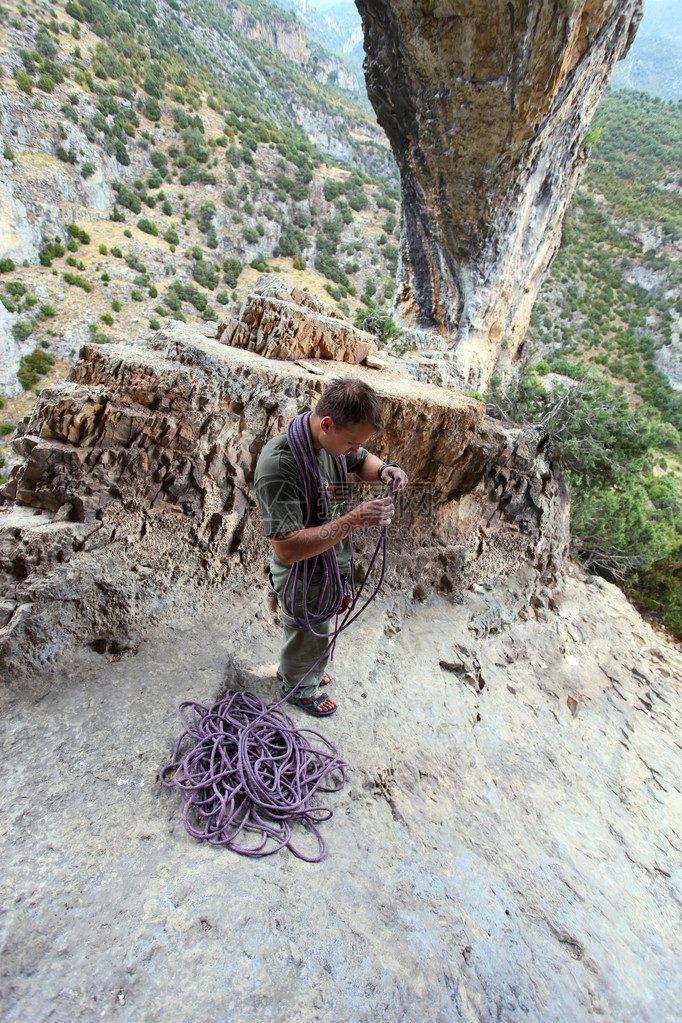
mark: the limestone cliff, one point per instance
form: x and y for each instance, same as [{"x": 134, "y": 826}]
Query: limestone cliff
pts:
[
  {"x": 284, "y": 34},
  {"x": 135, "y": 494},
  {"x": 486, "y": 106}
]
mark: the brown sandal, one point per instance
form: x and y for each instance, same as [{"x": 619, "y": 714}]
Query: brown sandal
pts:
[{"x": 310, "y": 706}]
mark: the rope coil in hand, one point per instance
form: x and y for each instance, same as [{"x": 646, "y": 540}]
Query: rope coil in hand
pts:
[{"x": 250, "y": 770}]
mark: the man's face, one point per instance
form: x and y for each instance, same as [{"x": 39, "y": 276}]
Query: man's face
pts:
[{"x": 343, "y": 440}]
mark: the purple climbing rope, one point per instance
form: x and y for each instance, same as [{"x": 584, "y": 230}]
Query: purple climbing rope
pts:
[{"x": 249, "y": 771}]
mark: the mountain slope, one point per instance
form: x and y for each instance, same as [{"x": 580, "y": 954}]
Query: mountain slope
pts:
[{"x": 654, "y": 62}]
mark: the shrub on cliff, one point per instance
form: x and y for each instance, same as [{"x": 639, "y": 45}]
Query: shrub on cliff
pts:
[
  {"x": 623, "y": 519},
  {"x": 206, "y": 274},
  {"x": 148, "y": 226},
  {"x": 32, "y": 367},
  {"x": 127, "y": 197},
  {"x": 232, "y": 268},
  {"x": 66, "y": 156},
  {"x": 23, "y": 81},
  {"x": 21, "y": 330},
  {"x": 152, "y": 109},
  {"x": 77, "y": 281}
]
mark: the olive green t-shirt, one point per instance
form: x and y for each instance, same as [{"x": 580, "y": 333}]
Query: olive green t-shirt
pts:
[{"x": 280, "y": 493}]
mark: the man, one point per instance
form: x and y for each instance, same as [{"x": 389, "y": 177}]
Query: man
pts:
[{"x": 345, "y": 417}]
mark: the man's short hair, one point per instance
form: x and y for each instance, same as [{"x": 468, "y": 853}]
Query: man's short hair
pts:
[{"x": 350, "y": 402}]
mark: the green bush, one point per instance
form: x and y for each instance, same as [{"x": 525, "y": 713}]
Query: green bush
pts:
[
  {"x": 205, "y": 274},
  {"x": 46, "y": 83},
  {"x": 159, "y": 160},
  {"x": 47, "y": 311},
  {"x": 121, "y": 155},
  {"x": 152, "y": 109},
  {"x": 21, "y": 330},
  {"x": 23, "y": 81},
  {"x": 15, "y": 288},
  {"x": 6, "y": 265},
  {"x": 604, "y": 445},
  {"x": 77, "y": 281},
  {"x": 66, "y": 156},
  {"x": 148, "y": 226},
  {"x": 32, "y": 367},
  {"x": 6, "y": 428},
  {"x": 88, "y": 168},
  {"x": 232, "y": 268},
  {"x": 128, "y": 198}
]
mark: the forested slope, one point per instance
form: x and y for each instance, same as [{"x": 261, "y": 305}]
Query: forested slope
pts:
[
  {"x": 608, "y": 316},
  {"x": 166, "y": 154}
]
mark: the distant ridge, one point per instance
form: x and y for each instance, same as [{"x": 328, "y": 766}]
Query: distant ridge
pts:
[{"x": 654, "y": 62}]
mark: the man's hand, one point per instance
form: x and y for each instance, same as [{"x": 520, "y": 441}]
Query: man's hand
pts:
[
  {"x": 394, "y": 476},
  {"x": 377, "y": 512},
  {"x": 306, "y": 543}
]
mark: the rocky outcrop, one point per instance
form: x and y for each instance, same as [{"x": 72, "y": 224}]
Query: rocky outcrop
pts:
[
  {"x": 289, "y": 323},
  {"x": 135, "y": 494},
  {"x": 40, "y": 194},
  {"x": 284, "y": 34},
  {"x": 486, "y": 107},
  {"x": 326, "y": 67}
]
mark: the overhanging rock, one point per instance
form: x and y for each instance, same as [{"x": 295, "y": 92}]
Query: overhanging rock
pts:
[{"x": 486, "y": 104}]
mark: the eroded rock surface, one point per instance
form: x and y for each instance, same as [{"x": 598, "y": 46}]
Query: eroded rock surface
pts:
[
  {"x": 288, "y": 323},
  {"x": 486, "y": 106},
  {"x": 135, "y": 495}
]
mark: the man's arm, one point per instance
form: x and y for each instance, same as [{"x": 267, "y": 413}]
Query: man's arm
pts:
[
  {"x": 391, "y": 474},
  {"x": 306, "y": 543}
]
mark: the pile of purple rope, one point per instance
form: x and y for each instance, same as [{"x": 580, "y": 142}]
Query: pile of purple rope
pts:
[{"x": 249, "y": 769}]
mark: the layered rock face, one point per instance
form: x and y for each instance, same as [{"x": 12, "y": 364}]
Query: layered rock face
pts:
[
  {"x": 286, "y": 34},
  {"x": 288, "y": 323},
  {"x": 136, "y": 496},
  {"x": 486, "y": 106}
]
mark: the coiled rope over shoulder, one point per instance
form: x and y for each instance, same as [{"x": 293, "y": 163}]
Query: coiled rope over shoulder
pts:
[{"x": 249, "y": 770}]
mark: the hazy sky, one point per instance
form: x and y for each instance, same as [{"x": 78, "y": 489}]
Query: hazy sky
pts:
[{"x": 321, "y": 5}]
